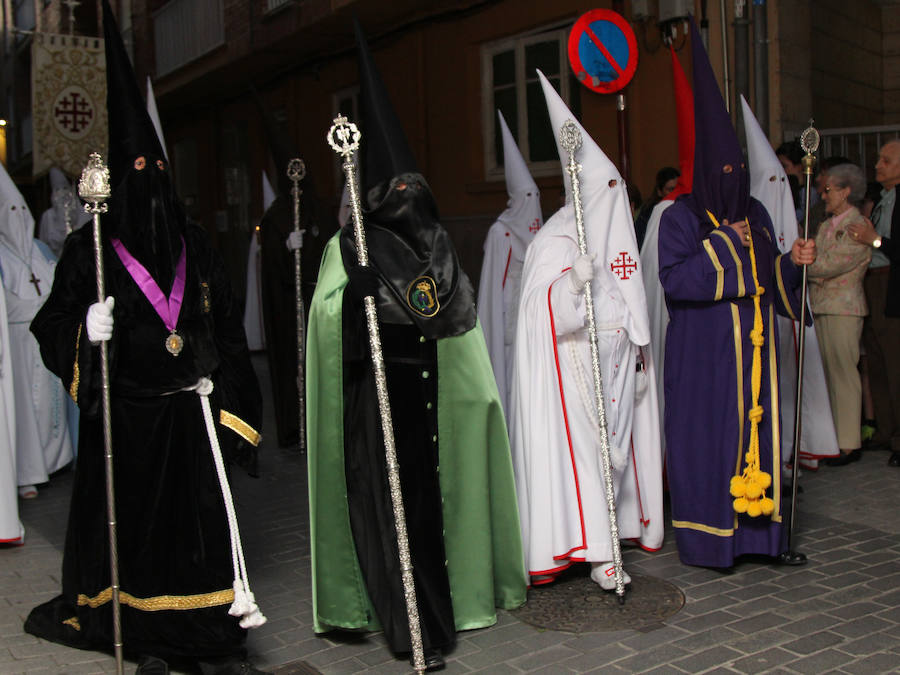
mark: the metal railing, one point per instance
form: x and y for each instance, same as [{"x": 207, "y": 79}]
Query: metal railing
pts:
[
  {"x": 185, "y": 30},
  {"x": 272, "y": 5},
  {"x": 858, "y": 144}
]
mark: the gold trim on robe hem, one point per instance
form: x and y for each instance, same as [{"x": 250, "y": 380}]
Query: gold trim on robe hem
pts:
[
  {"x": 76, "y": 374},
  {"x": 720, "y": 271},
  {"x": 240, "y": 427},
  {"x": 775, "y": 405},
  {"x": 160, "y": 602},
  {"x": 700, "y": 527},
  {"x": 779, "y": 280},
  {"x": 739, "y": 383},
  {"x": 73, "y": 622},
  {"x": 742, "y": 288}
]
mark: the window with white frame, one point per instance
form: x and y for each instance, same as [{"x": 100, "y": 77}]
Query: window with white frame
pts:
[{"x": 510, "y": 84}]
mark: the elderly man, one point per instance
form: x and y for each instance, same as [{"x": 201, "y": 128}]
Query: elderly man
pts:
[{"x": 881, "y": 331}]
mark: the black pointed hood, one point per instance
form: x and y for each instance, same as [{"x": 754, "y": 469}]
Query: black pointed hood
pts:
[
  {"x": 131, "y": 131},
  {"x": 144, "y": 212},
  {"x": 386, "y": 152},
  {"x": 281, "y": 146}
]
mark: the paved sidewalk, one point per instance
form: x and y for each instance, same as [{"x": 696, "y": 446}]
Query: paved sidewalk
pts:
[{"x": 840, "y": 613}]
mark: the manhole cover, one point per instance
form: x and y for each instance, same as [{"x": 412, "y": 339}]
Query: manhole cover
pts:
[{"x": 575, "y": 604}]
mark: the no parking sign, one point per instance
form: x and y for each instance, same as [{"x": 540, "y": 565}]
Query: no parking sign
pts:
[{"x": 603, "y": 51}]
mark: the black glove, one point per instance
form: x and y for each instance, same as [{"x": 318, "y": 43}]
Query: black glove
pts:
[{"x": 364, "y": 281}]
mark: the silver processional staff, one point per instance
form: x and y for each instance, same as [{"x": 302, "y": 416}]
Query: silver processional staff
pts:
[
  {"x": 344, "y": 138},
  {"x": 94, "y": 189}
]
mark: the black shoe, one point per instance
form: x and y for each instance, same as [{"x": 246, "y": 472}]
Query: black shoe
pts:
[
  {"x": 433, "y": 660},
  {"x": 844, "y": 458},
  {"x": 150, "y": 665},
  {"x": 234, "y": 666},
  {"x": 894, "y": 459}
]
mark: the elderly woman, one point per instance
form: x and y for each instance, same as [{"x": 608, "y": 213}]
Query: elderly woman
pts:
[{"x": 839, "y": 303}]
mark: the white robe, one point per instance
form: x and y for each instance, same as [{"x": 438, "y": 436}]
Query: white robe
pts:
[
  {"x": 52, "y": 226},
  {"x": 498, "y": 302},
  {"x": 42, "y": 438},
  {"x": 11, "y": 530},
  {"x": 656, "y": 304},
  {"x": 554, "y": 435}
]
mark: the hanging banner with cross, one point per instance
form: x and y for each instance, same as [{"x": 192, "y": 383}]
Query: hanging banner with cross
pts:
[{"x": 68, "y": 92}]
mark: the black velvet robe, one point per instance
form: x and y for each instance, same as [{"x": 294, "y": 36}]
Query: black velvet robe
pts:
[
  {"x": 405, "y": 243},
  {"x": 175, "y": 567},
  {"x": 279, "y": 302}
]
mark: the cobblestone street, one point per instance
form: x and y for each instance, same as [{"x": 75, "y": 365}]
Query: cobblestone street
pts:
[{"x": 839, "y": 613}]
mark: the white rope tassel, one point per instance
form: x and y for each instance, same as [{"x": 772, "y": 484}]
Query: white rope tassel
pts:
[{"x": 244, "y": 604}]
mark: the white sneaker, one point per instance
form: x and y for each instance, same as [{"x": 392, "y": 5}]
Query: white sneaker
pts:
[{"x": 605, "y": 574}]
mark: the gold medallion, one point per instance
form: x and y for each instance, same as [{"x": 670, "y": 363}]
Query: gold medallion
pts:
[{"x": 174, "y": 343}]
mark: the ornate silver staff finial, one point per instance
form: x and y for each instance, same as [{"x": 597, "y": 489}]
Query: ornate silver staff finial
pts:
[
  {"x": 570, "y": 139},
  {"x": 809, "y": 139},
  {"x": 94, "y": 184},
  {"x": 296, "y": 170},
  {"x": 343, "y": 137}
]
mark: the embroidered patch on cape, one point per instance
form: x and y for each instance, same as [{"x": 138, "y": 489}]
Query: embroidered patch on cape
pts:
[{"x": 421, "y": 296}]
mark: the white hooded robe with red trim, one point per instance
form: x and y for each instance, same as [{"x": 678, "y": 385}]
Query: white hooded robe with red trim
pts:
[
  {"x": 553, "y": 427},
  {"x": 504, "y": 254}
]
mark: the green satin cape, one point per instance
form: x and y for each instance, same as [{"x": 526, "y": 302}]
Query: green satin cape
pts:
[{"x": 481, "y": 520}]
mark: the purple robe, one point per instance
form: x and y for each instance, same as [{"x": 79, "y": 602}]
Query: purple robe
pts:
[{"x": 707, "y": 278}]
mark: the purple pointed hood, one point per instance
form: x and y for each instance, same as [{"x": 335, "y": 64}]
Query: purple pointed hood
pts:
[{"x": 721, "y": 181}]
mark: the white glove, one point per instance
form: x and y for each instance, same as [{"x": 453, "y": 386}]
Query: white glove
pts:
[
  {"x": 100, "y": 320},
  {"x": 295, "y": 240},
  {"x": 582, "y": 271}
]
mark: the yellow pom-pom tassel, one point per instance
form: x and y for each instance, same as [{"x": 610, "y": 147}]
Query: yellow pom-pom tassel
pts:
[
  {"x": 767, "y": 506},
  {"x": 738, "y": 488},
  {"x": 754, "y": 509},
  {"x": 764, "y": 480},
  {"x": 740, "y": 505},
  {"x": 754, "y": 491}
]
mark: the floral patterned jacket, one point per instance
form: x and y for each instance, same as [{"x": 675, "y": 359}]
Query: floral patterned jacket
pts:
[{"x": 836, "y": 277}]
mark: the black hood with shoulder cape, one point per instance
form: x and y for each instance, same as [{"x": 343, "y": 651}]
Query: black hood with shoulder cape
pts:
[{"x": 422, "y": 282}]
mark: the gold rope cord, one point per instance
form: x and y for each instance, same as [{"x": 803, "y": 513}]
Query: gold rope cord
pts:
[{"x": 749, "y": 487}]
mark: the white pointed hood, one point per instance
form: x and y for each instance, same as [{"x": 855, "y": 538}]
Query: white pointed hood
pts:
[
  {"x": 607, "y": 218},
  {"x": 16, "y": 221},
  {"x": 154, "y": 117},
  {"x": 268, "y": 192},
  {"x": 62, "y": 197},
  {"x": 522, "y": 216},
  {"x": 768, "y": 181}
]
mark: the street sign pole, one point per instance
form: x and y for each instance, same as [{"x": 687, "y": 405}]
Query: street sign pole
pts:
[{"x": 603, "y": 54}]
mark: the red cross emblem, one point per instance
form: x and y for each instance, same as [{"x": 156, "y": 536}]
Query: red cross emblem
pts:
[
  {"x": 534, "y": 227},
  {"x": 73, "y": 112},
  {"x": 623, "y": 266}
]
